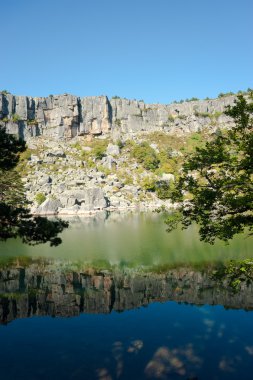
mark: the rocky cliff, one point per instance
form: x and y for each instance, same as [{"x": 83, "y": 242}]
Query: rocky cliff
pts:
[
  {"x": 52, "y": 288},
  {"x": 66, "y": 116},
  {"x": 80, "y": 155}
]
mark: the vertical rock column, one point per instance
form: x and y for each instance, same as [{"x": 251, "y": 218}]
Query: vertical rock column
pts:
[{"x": 95, "y": 115}]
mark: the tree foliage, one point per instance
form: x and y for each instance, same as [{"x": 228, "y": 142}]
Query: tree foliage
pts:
[
  {"x": 15, "y": 218},
  {"x": 215, "y": 187},
  {"x": 146, "y": 156}
]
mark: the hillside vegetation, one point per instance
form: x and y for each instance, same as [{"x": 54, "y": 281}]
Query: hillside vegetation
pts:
[{"x": 132, "y": 172}]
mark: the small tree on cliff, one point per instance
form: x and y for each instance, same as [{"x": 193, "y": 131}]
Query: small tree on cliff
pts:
[
  {"x": 15, "y": 219},
  {"x": 217, "y": 180}
]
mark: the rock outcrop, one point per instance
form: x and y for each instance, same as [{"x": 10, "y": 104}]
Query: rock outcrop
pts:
[
  {"x": 66, "y": 116},
  {"x": 67, "y": 178},
  {"x": 67, "y": 171}
]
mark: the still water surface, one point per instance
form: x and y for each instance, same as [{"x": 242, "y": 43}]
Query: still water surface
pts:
[
  {"x": 122, "y": 299},
  {"x": 134, "y": 239}
]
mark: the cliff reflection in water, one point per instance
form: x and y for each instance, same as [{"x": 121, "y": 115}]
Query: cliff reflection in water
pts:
[{"x": 58, "y": 288}]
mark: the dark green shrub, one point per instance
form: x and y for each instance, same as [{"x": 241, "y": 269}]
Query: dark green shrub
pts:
[
  {"x": 163, "y": 189},
  {"x": 99, "y": 149},
  {"x": 120, "y": 144},
  {"x": 221, "y": 95},
  {"x": 118, "y": 122}
]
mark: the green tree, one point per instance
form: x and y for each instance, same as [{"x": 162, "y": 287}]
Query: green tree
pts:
[
  {"x": 146, "y": 156},
  {"x": 215, "y": 187},
  {"x": 15, "y": 218}
]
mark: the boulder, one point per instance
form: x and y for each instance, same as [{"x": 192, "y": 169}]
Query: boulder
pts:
[
  {"x": 35, "y": 159},
  {"x": 87, "y": 149},
  {"x": 155, "y": 147},
  {"x": 109, "y": 162},
  {"x": 168, "y": 177},
  {"x": 49, "y": 207},
  {"x": 89, "y": 199},
  {"x": 56, "y": 153},
  {"x": 44, "y": 179},
  {"x": 112, "y": 150}
]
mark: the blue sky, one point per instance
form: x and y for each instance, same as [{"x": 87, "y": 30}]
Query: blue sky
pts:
[{"x": 156, "y": 50}]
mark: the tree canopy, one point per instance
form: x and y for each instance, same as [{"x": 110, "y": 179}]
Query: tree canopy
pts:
[
  {"x": 215, "y": 187},
  {"x": 15, "y": 218}
]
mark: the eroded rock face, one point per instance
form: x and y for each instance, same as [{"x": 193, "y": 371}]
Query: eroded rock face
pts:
[
  {"x": 49, "y": 207},
  {"x": 95, "y": 115},
  {"x": 66, "y": 116},
  {"x": 81, "y": 201},
  {"x": 85, "y": 200}
]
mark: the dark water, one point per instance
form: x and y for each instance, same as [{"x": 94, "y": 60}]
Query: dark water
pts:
[{"x": 122, "y": 299}]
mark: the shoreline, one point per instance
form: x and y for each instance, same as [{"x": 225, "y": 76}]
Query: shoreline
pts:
[{"x": 109, "y": 209}]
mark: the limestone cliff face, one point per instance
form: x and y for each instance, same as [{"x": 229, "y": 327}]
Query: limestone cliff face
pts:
[
  {"x": 46, "y": 288},
  {"x": 65, "y": 116}
]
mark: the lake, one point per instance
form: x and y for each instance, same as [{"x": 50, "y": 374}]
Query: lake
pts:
[{"x": 121, "y": 298}]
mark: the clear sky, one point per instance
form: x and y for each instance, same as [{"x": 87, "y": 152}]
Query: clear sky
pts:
[{"x": 156, "y": 50}]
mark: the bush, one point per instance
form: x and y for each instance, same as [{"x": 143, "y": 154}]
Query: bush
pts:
[
  {"x": 99, "y": 149},
  {"x": 146, "y": 156},
  {"x": 168, "y": 164},
  {"x": 76, "y": 145},
  {"x": 118, "y": 122},
  {"x": 120, "y": 144},
  {"x": 222, "y": 95},
  {"x": 32, "y": 122},
  {"x": 128, "y": 179},
  {"x": 40, "y": 198},
  {"x": 163, "y": 189},
  {"x": 26, "y": 155},
  {"x": 15, "y": 117},
  {"x": 171, "y": 118},
  {"x": 148, "y": 184},
  {"x": 202, "y": 114}
]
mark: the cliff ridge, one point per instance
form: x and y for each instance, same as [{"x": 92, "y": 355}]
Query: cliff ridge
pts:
[{"x": 66, "y": 116}]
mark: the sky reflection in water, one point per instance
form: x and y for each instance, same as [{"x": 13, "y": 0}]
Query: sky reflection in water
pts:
[{"x": 162, "y": 341}]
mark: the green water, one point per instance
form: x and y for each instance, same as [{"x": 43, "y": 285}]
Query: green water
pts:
[{"x": 131, "y": 239}]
